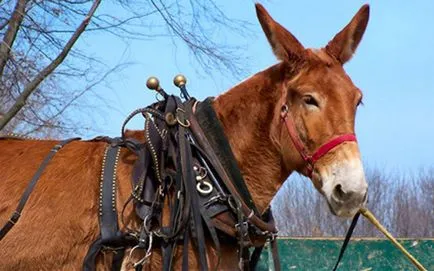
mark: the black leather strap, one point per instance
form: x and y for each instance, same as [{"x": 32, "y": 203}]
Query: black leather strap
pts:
[
  {"x": 185, "y": 251},
  {"x": 256, "y": 254},
  {"x": 17, "y": 213},
  {"x": 108, "y": 218},
  {"x": 209, "y": 122},
  {"x": 275, "y": 253},
  {"x": 188, "y": 178},
  {"x": 254, "y": 258},
  {"x": 347, "y": 239},
  {"x": 110, "y": 238}
]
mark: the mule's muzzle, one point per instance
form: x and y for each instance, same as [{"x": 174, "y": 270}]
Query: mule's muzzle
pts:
[{"x": 346, "y": 202}]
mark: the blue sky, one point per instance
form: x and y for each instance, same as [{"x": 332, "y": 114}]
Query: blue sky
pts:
[{"x": 394, "y": 67}]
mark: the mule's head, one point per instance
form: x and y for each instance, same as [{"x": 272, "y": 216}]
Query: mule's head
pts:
[{"x": 321, "y": 102}]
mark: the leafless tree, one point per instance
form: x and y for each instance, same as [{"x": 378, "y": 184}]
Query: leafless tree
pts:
[
  {"x": 403, "y": 203},
  {"x": 45, "y": 75}
]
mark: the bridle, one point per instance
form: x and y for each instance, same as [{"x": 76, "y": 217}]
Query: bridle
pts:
[{"x": 301, "y": 148}]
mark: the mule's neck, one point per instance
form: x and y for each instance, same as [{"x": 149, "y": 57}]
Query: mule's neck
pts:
[{"x": 252, "y": 124}]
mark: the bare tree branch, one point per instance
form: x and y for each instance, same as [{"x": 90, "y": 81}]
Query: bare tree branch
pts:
[
  {"x": 29, "y": 88},
  {"x": 46, "y": 27},
  {"x": 11, "y": 33}
]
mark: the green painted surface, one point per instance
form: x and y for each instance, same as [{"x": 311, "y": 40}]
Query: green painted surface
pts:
[{"x": 361, "y": 254}]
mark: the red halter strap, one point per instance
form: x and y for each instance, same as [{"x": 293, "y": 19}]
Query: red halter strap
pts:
[{"x": 320, "y": 152}]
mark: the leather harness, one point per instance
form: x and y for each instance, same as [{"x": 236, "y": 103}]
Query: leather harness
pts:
[{"x": 192, "y": 170}]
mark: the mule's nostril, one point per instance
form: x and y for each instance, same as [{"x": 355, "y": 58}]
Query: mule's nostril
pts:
[{"x": 341, "y": 194}]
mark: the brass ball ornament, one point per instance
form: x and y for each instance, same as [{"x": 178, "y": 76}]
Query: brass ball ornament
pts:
[
  {"x": 179, "y": 80},
  {"x": 153, "y": 83}
]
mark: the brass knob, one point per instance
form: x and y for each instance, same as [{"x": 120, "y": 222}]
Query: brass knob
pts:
[
  {"x": 153, "y": 83},
  {"x": 179, "y": 80}
]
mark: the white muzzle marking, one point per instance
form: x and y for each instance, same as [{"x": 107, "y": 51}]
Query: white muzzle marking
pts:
[{"x": 345, "y": 187}]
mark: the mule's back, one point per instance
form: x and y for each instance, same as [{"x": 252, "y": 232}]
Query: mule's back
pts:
[{"x": 59, "y": 216}]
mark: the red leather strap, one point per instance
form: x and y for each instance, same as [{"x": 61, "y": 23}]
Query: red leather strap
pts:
[
  {"x": 320, "y": 152},
  {"x": 324, "y": 149},
  {"x": 293, "y": 134}
]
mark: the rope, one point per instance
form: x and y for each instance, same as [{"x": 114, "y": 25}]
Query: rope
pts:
[{"x": 366, "y": 213}]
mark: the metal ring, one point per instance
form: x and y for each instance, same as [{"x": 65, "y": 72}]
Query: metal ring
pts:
[
  {"x": 185, "y": 125},
  {"x": 207, "y": 190},
  {"x": 147, "y": 255}
]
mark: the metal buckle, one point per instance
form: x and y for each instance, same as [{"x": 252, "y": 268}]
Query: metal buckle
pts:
[
  {"x": 213, "y": 200},
  {"x": 14, "y": 218},
  {"x": 234, "y": 204},
  {"x": 271, "y": 236},
  {"x": 242, "y": 228},
  {"x": 56, "y": 148}
]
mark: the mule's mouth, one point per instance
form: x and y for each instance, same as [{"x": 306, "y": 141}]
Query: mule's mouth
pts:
[
  {"x": 345, "y": 209},
  {"x": 344, "y": 186}
]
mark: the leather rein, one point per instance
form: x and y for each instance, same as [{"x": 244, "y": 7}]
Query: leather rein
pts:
[{"x": 311, "y": 159}]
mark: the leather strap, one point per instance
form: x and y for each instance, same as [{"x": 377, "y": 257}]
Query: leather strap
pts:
[
  {"x": 301, "y": 148},
  {"x": 275, "y": 253},
  {"x": 256, "y": 254},
  {"x": 108, "y": 218},
  {"x": 17, "y": 213},
  {"x": 110, "y": 238},
  {"x": 213, "y": 130},
  {"x": 203, "y": 142},
  {"x": 347, "y": 239},
  {"x": 188, "y": 178},
  {"x": 325, "y": 148}
]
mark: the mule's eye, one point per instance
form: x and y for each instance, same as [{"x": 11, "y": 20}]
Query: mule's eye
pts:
[
  {"x": 360, "y": 102},
  {"x": 310, "y": 100}
]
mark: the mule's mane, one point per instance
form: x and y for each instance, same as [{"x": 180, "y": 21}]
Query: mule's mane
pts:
[{"x": 247, "y": 113}]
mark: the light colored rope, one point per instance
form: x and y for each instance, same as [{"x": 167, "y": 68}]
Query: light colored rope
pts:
[{"x": 366, "y": 213}]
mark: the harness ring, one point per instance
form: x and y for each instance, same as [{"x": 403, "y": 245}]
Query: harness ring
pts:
[
  {"x": 184, "y": 124},
  {"x": 208, "y": 188}
]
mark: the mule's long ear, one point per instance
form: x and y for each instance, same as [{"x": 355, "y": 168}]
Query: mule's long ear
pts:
[
  {"x": 345, "y": 43},
  {"x": 285, "y": 46}
]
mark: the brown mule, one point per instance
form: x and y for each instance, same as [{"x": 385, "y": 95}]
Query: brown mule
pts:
[{"x": 60, "y": 219}]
